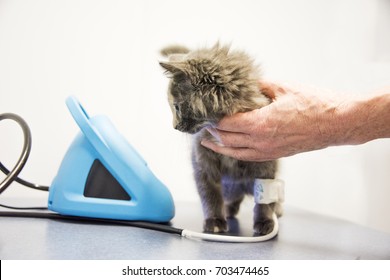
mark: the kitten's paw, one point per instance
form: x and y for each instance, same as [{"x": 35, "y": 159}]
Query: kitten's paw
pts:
[
  {"x": 215, "y": 225},
  {"x": 263, "y": 227}
]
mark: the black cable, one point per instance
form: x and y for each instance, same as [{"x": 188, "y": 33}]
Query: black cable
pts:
[
  {"x": 25, "y": 151},
  {"x": 23, "y": 208},
  {"x": 140, "y": 224},
  {"x": 24, "y": 182},
  {"x": 12, "y": 175}
]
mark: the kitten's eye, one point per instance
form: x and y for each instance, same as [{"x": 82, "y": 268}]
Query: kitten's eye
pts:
[{"x": 177, "y": 108}]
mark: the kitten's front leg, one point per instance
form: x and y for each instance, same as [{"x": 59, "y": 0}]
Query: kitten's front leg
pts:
[
  {"x": 212, "y": 202},
  {"x": 207, "y": 176}
]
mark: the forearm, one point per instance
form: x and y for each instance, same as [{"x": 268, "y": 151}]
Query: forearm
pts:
[{"x": 363, "y": 120}]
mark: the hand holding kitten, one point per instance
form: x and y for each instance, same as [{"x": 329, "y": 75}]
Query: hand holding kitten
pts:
[{"x": 300, "y": 120}]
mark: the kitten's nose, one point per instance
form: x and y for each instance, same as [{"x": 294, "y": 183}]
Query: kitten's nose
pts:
[{"x": 180, "y": 128}]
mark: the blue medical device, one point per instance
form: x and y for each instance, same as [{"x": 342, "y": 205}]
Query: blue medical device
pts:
[{"x": 103, "y": 176}]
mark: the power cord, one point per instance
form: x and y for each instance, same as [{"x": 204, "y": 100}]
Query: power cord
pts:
[
  {"x": 24, "y": 182},
  {"x": 12, "y": 175},
  {"x": 22, "y": 208},
  {"x": 25, "y": 151}
]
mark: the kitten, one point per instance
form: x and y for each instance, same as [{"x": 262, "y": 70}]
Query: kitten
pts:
[{"x": 206, "y": 85}]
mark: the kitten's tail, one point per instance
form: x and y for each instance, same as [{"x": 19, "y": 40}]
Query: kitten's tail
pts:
[{"x": 174, "y": 49}]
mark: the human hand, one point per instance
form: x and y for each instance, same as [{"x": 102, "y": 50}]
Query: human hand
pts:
[{"x": 296, "y": 121}]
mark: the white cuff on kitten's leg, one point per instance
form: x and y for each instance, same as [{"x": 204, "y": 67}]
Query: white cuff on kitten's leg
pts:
[{"x": 266, "y": 191}]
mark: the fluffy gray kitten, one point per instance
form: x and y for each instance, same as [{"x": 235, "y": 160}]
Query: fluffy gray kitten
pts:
[{"x": 206, "y": 85}]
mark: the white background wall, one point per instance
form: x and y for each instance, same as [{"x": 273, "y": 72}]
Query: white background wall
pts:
[{"x": 106, "y": 53}]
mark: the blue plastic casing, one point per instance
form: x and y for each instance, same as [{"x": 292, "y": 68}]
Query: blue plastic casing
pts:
[{"x": 99, "y": 139}]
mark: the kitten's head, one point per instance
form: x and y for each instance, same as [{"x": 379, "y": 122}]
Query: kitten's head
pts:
[{"x": 208, "y": 84}]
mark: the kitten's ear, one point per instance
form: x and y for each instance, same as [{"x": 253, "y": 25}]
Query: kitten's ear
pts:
[
  {"x": 172, "y": 67},
  {"x": 174, "y": 49}
]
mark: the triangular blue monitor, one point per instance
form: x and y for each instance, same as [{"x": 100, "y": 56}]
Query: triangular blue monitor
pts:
[{"x": 103, "y": 176}]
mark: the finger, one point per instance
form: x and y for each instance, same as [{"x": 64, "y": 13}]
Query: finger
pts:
[
  {"x": 231, "y": 139},
  {"x": 245, "y": 154},
  {"x": 239, "y": 122}
]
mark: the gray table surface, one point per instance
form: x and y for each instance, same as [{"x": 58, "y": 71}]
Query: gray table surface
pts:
[{"x": 303, "y": 235}]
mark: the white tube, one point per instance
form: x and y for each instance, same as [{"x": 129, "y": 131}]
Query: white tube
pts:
[{"x": 233, "y": 239}]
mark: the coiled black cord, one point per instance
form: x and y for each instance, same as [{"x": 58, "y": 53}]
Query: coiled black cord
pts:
[{"x": 12, "y": 175}]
